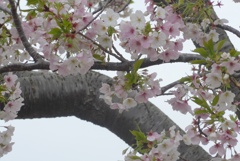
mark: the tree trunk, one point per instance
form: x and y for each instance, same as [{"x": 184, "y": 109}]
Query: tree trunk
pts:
[{"x": 47, "y": 95}]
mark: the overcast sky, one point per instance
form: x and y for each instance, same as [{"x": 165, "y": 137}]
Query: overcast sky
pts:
[{"x": 71, "y": 139}]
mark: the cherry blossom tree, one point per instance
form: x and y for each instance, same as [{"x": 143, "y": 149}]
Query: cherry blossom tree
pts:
[{"x": 64, "y": 40}]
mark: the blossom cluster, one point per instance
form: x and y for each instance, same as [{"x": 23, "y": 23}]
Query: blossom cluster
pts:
[
  {"x": 212, "y": 123},
  {"x": 161, "y": 146},
  {"x": 129, "y": 95},
  {"x": 11, "y": 102},
  {"x": 69, "y": 36}
]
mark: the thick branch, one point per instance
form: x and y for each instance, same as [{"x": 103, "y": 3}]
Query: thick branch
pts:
[
  {"x": 184, "y": 58},
  {"x": 48, "y": 95}
]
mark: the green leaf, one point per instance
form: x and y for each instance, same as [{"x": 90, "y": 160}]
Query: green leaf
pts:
[
  {"x": 220, "y": 44},
  {"x": 31, "y": 14},
  {"x": 185, "y": 79},
  {"x": 125, "y": 151},
  {"x": 55, "y": 32},
  {"x": 198, "y": 62},
  {"x": 139, "y": 136},
  {"x": 135, "y": 158},
  {"x": 202, "y": 103},
  {"x": 234, "y": 53},
  {"x": 111, "y": 30},
  {"x": 180, "y": 2},
  {"x": 215, "y": 100},
  {"x": 199, "y": 112},
  {"x": 99, "y": 57},
  {"x": 233, "y": 117},
  {"x": 147, "y": 29},
  {"x": 32, "y": 2},
  {"x": 210, "y": 46},
  {"x": 137, "y": 65},
  {"x": 201, "y": 51}
]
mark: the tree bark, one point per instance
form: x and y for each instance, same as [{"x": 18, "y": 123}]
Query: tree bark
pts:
[{"x": 47, "y": 95}]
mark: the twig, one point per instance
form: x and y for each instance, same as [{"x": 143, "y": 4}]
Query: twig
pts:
[
  {"x": 117, "y": 52},
  {"x": 36, "y": 57},
  {"x": 125, "y": 6},
  {"x": 199, "y": 128},
  {"x": 109, "y": 52},
  {"x": 169, "y": 86},
  {"x": 5, "y": 10},
  {"x": 102, "y": 9},
  {"x": 230, "y": 29}
]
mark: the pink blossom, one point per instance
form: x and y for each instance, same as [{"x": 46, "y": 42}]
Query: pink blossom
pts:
[
  {"x": 169, "y": 55},
  {"x": 171, "y": 29},
  {"x": 231, "y": 65},
  {"x": 135, "y": 45},
  {"x": 99, "y": 27},
  {"x": 180, "y": 105},
  {"x": 138, "y": 19},
  {"x": 110, "y": 18},
  {"x": 158, "y": 39},
  {"x": 152, "y": 136},
  {"x": 214, "y": 80},
  {"x": 217, "y": 148},
  {"x": 152, "y": 54},
  {"x": 106, "y": 89},
  {"x": 216, "y": 68},
  {"x": 129, "y": 103},
  {"x": 229, "y": 137},
  {"x": 120, "y": 91},
  {"x": 126, "y": 30},
  {"x": 10, "y": 79},
  {"x": 143, "y": 96},
  {"x": 160, "y": 13},
  {"x": 145, "y": 41},
  {"x": 118, "y": 106}
]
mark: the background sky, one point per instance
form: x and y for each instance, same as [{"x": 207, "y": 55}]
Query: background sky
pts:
[{"x": 71, "y": 139}]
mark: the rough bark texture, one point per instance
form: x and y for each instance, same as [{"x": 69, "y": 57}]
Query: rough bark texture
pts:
[{"x": 49, "y": 95}]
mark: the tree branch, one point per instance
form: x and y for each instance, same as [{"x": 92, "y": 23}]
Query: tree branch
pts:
[
  {"x": 5, "y": 10},
  {"x": 79, "y": 96},
  {"x": 36, "y": 57},
  {"x": 110, "y": 66},
  {"x": 24, "y": 67},
  {"x": 230, "y": 29}
]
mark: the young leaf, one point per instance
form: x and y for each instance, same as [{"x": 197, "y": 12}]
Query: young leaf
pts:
[
  {"x": 147, "y": 29},
  {"x": 99, "y": 57},
  {"x": 137, "y": 65},
  {"x": 55, "y": 32},
  {"x": 125, "y": 151},
  {"x": 198, "y": 62},
  {"x": 139, "y": 135},
  {"x": 215, "y": 100},
  {"x": 32, "y": 2},
  {"x": 201, "y": 103},
  {"x": 111, "y": 30},
  {"x": 201, "y": 51},
  {"x": 135, "y": 158},
  {"x": 220, "y": 44},
  {"x": 199, "y": 112},
  {"x": 209, "y": 46},
  {"x": 185, "y": 79}
]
